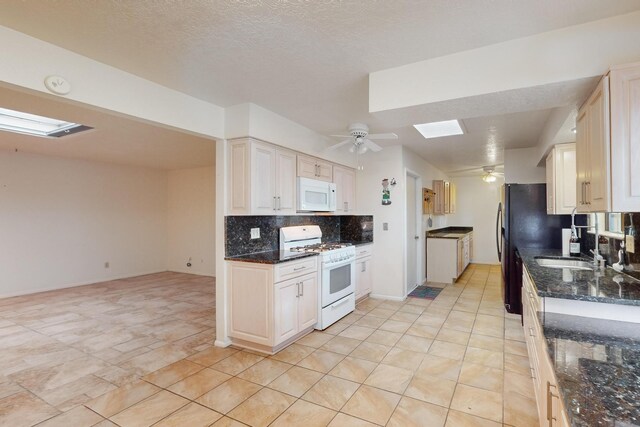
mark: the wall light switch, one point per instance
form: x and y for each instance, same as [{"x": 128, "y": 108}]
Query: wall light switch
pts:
[
  {"x": 385, "y": 226},
  {"x": 630, "y": 244},
  {"x": 255, "y": 233}
]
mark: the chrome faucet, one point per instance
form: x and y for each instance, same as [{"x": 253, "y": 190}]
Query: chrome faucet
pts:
[{"x": 598, "y": 260}]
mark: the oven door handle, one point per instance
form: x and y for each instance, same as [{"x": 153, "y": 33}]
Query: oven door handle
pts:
[
  {"x": 338, "y": 264},
  {"x": 339, "y": 303}
]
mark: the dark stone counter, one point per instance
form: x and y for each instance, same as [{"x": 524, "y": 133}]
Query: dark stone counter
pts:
[
  {"x": 597, "y": 365},
  {"x": 606, "y": 286},
  {"x": 269, "y": 257},
  {"x": 449, "y": 232}
]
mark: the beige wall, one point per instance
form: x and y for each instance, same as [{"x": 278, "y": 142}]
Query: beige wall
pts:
[
  {"x": 191, "y": 220},
  {"x": 477, "y": 206},
  {"x": 61, "y": 220}
]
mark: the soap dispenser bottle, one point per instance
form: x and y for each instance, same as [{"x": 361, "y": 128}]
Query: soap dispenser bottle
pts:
[{"x": 574, "y": 243}]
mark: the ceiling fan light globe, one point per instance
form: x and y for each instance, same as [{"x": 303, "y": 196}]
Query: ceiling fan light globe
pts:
[
  {"x": 489, "y": 178},
  {"x": 362, "y": 149}
]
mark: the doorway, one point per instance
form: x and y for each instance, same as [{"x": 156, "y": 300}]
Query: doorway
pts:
[{"x": 413, "y": 231}]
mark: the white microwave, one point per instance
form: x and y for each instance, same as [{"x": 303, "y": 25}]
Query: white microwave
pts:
[{"x": 316, "y": 196}]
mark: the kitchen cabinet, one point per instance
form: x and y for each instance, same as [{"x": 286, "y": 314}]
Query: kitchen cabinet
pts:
[
  {"x": 262, "y": 179},
  {"x": 363, "y": 271},
  {"x": 444, "y": 198},
  {"x": 310, "y": 167},
  {"x": 607, "y": 151},
  {"x": 551, "y": 411},
  {"x": 561, "y": 179},
  {"x": 448, "y": 257},
  {"x": 271, "y": 306},
  {"x": 345, "y": 180}
]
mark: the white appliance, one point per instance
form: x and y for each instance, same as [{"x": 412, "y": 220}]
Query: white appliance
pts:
[
  {"x": 316, "y": 196},
  {"x": 336, "y": 293}
]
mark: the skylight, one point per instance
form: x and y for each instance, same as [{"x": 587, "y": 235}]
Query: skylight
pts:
[
  {"x": 438, "y": 129},
  {"x": 30, "y": 124}
]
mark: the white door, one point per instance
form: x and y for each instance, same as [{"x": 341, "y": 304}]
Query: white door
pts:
[{"x": 413, "y": 237}]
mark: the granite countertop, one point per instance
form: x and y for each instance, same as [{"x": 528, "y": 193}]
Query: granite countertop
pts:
[
  {"x": 269, "y": 257},
  {"x": 449, "y": 232},
  {"x": 584, "y": 285},
  {"x": 597, "y": 365},
  {"x": 276, "y": 257}
]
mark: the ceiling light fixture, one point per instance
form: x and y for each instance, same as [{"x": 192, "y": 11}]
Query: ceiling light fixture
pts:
[
  {"x": 31, "y": 124},
  {"x": 439, "y": 129},
  {"x": 488, "y": 174}
]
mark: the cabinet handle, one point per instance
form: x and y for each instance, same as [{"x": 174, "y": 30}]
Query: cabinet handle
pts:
[
  {"x": 550, "y": 397},
  {"x": 584, "y": 192},
  {"x": 298, "y": 291},
  {"x": 279, "y": 203},
  {"x": 317, "y": 170},
  {"x": 299, "y": 268},
  {"x": 531, "y": 332},
  {"x": 364, "y": 267},
  {"x": 274, "y": 203},
  {"x": 301, "y": 289},
  {"x": 588, "y": 186}
]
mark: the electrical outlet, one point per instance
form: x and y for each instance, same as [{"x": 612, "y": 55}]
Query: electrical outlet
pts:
[
  {"x": 385, "y": 226},
  {"x": 106, "y": 264},
  {"x": 630, "y": 244},
  {"x": 255, "y": 233}
]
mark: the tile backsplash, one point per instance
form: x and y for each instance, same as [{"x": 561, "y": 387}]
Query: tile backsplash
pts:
[{"x": 349, "y": 228}]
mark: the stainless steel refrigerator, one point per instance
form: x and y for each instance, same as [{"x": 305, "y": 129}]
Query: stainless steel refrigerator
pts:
[{"x": 522, "y": 222}]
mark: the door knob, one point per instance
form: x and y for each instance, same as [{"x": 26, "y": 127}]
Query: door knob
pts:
[{"x": 416, "y": 237}]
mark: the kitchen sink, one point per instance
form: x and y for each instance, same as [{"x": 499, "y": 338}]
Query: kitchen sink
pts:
[{"x": 574, "y": 264}]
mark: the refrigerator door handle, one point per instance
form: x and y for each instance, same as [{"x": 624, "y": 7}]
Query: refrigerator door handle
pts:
[{"x": 499, "y": 231}]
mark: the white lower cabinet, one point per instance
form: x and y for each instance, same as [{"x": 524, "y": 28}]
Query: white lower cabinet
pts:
[
  {"x": 447, "y": 258},
  {"x": 363, "y": 271},
  {"x": 272, "y": 305},
  {"x": 551, "y": 412}
]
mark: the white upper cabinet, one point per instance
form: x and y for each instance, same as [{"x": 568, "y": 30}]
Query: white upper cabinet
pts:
[
  {"x": 262, "y": 179},
  {"x": 561, "y": 179},
  {"x": 345, "y": 180},
  {"x": 608, "y": 144},
  {"x": 625, "y": 138},
  {"x": 310, "y": 167}
]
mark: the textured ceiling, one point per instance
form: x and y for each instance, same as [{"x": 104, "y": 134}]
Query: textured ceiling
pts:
[
  {"x": 306, "y": 60},
  {"x": 114, "y": 139}
]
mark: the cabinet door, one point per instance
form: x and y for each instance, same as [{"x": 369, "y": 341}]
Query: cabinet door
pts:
[
  {"x": 582, "y": 160},
  {"x": 345, "y": 180},
  {"x": 598, "y": 186},
  {"x": 452, "y": 198},
  {"x": 308, "y": 302},
  {"x": 625, "y": 139},
  {"x": 565, "y": 179},
  {"x": 263, "y": 179},
  {"x": 285, "y": 182},
  {"x": 307, "y": 167},
  {"x": 460, "y": 256},
  {"x": 286, "y": 309},
  {"x": 551, "y": 182},
  {"x": 447, "y": 197},
  {"x": 325, "y": 171},
  {"x": 438, "y": 200},
  {"x": 363, "y": 277},
  {"x": 239, "y": 186}
]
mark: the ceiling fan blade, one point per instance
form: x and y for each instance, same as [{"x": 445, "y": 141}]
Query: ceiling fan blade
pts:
[
  {"x": 371, "y": 145},
  {"x": 342, "y": 136},
  {"x": 340, "y": 144},
  {"x": 382, "y": 136}
]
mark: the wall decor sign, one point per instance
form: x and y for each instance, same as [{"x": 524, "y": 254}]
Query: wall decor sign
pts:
[{"x": 386, "y": 192}]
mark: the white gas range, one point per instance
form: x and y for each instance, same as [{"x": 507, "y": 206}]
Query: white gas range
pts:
[{"x": 337, "y": 270}]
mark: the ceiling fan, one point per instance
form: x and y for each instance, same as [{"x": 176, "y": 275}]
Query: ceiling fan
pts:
[
  {"x": 490, "y": 174},
  {"x": 361, "y": 139}
]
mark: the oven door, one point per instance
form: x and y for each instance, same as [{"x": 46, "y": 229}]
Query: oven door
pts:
[{"x": 338, "y": 281}]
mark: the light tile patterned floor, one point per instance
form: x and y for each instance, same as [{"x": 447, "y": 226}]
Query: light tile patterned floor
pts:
[{"x": 138, "y": 352}]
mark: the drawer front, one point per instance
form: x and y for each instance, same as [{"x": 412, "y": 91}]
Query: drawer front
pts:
[
  {"x": 530, "y": 291},
  {"x": 292, "y": 269},
  {"x": 364, "y": 250}
]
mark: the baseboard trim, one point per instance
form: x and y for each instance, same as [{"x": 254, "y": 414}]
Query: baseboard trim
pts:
[
  {"x": 79, "y": 284},
  {"x": 387, "y": 297},
  {"x": 176, "y": 270},
  {"x": 222, "y": 343}
]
